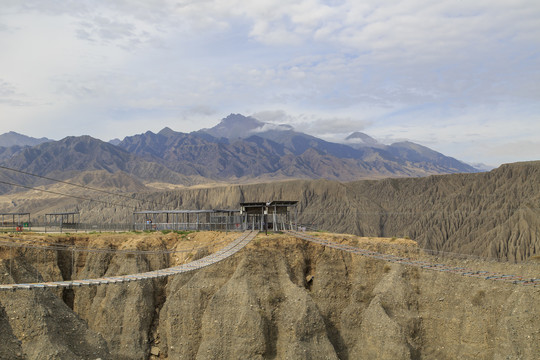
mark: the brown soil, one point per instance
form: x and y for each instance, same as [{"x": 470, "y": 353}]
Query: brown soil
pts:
[{"x": 280, "y": 298}]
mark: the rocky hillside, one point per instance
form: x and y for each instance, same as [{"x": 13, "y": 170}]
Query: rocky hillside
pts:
[
  {"x": 12, "y": 143},
  {"x": 494, "y": 214},
  {"x": 279, "y": 298},
  {"x": 72, "y": 156},
  {"x": 170, "y": 157},
  {"x": 241, "y": 148},
  {"x": 14, "y": 139},
  {"x": 238, "y": 150}
]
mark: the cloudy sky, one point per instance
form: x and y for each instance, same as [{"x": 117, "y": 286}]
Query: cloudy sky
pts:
[{"x": 461, "y": 77}]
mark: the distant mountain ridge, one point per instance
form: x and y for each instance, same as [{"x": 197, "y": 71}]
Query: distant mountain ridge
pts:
[
  {"x": 238, "y": 149},
  {"x": 359, "y": 139},
  {"x": 15, "y": 139},
  {"x": 357, "y": 146},
  {"x": 12, "y": 143},
  {"x": 237, "y": 126},
  {"x": 242, "y": 147},
  {"x": 74, "y": 155}
]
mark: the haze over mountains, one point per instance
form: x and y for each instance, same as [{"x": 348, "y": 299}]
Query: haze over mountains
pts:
[
  {"x": 238, "y": 149},
  {"x": 12, "y": 143},
  {"x": 14, "y": 139}
]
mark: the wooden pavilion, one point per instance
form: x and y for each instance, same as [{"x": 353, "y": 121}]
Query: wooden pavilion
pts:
[
  {"x": 63, "y": 220},
  {"x": 275, "y": 215},
  {"x": 187, "y": 220},
  {"x": 15, "y": 220}
]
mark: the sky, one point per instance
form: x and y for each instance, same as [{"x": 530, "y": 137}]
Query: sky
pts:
[{"x": 461, "y": 77}]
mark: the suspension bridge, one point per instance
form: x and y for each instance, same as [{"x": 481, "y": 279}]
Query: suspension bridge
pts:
[
  {"x": 487, "y": 275},
  {"x": 231, "y": 249},
  {"x": 244, "y": 239}
]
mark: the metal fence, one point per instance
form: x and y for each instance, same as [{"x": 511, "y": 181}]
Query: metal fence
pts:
[
  {"x": 123, "y": 227},
  {"x": 233, "y": 223}
]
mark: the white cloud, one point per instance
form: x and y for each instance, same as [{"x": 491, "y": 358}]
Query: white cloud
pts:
[
  {"x": 10, "y": 96},
  {"x": 415, "y": 69},
  {"x": 273, "y": 116},
  {"x": 330, "y": 127}
]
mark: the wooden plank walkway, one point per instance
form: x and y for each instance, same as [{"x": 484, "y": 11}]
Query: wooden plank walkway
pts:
[
  {"x": 231, "y": 249},
  {"x": 487, "y": 275}
]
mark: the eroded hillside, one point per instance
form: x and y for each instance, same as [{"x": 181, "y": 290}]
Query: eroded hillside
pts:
[
  {"x": 493, "y": 215},
  {"x": 278, "y": 298}
]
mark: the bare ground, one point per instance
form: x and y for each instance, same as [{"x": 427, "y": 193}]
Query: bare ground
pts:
[{"x": 279, "y": 298}]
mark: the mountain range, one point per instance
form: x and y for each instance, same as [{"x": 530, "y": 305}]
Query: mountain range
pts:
[
  {"x": 14, "y": 139},
  {"x": 238, "y": 149}
]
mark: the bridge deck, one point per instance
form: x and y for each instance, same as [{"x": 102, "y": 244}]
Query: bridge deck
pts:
[
  {"x": 487, "y": 275},
  {"x": 232, "y": 248}
]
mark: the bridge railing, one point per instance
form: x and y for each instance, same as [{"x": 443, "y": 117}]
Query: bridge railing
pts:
[
  {"x": 23, "y": 262},
  {"x": 413, "y": 256},
  {"x": 123, "y": 227}
]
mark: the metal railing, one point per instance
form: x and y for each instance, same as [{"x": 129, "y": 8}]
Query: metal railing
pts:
[
  {"x": 230, "y": 249},
  {"x": 422, "y": 263}
]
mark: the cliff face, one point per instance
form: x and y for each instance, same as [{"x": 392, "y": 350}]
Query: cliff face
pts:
[
  {"x": 278, "y": 298},
  {"x": 494, "y": 214},
  {"x": 38, "y": 324}
]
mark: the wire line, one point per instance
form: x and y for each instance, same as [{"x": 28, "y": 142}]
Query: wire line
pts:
[
  {"x": 66, "y": 182},
  {"x": 72, "y": 196}
]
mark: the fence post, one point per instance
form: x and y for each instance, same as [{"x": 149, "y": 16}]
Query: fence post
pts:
[
  {"x": 37, "y": 263},
  {"x": 72, "y": 264}
]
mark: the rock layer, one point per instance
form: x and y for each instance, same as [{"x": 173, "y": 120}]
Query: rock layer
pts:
[{"x": 278, "y": 298}]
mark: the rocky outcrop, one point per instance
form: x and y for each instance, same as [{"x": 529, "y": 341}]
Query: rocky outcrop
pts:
[
  {"x": 492, "y": 215},
  {"x": 122, "y": 315},
  {"x": 39, "y": 325},
  {"x": 278, "y": 298},
  {"x": 256, "y": 313},
  {"x": 11, "y": 346}
]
